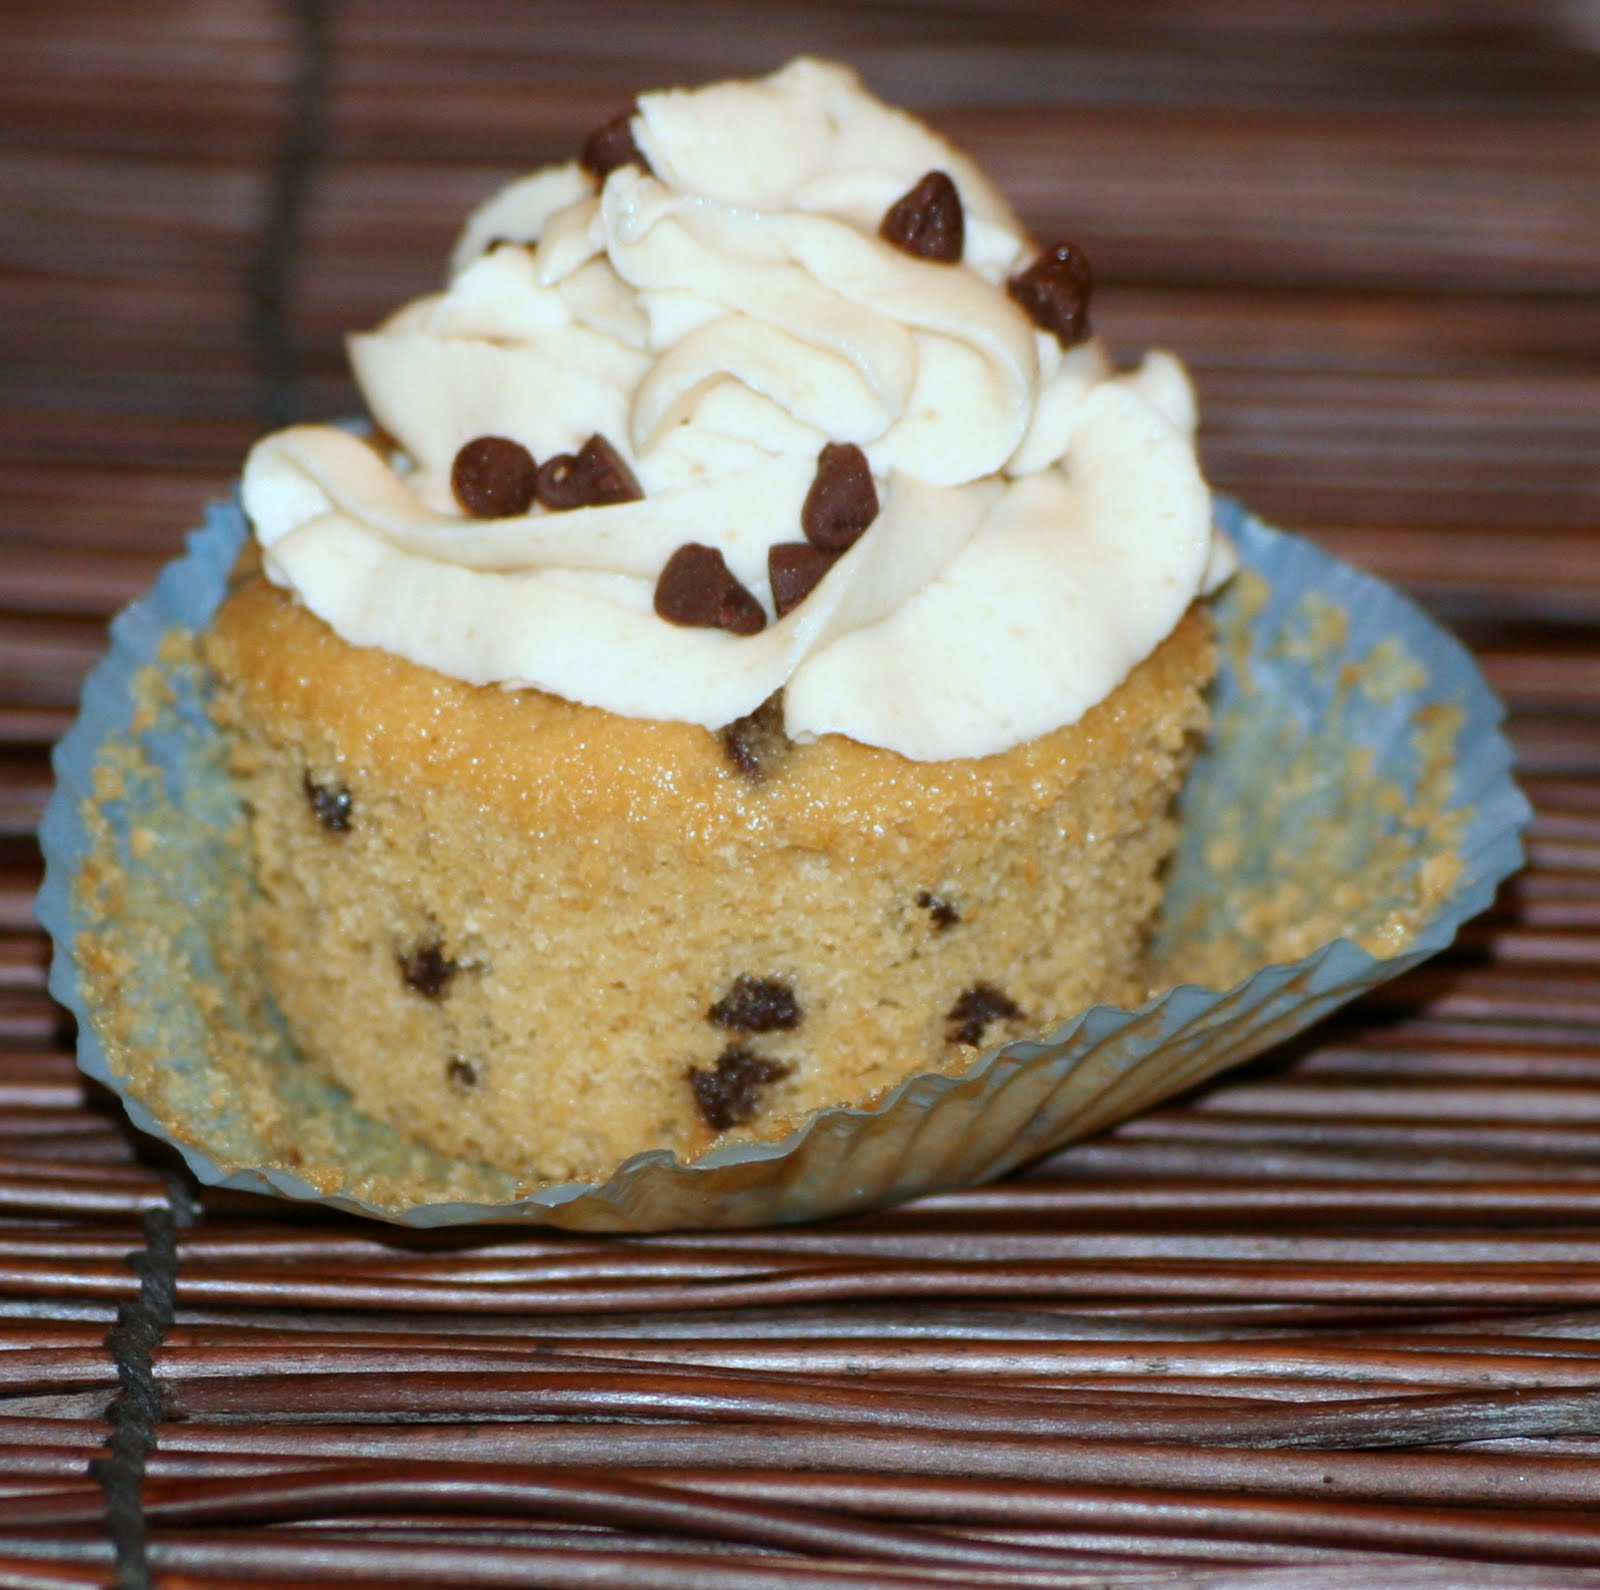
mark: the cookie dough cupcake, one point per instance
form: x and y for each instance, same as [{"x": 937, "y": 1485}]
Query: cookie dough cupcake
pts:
[{"x": 749, "y": 659}]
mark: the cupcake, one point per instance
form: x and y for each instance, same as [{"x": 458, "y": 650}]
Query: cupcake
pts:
[{"x": 748, "y": 660}]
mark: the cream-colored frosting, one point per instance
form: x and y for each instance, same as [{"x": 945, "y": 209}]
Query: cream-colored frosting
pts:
[{"x": 718, "y": 319}]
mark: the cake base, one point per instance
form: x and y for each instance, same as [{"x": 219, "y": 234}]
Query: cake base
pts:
[{"x": 542, "y": 935}]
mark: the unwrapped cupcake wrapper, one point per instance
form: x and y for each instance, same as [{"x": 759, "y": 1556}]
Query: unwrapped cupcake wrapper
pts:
[{"x": 1351, "y": 732}]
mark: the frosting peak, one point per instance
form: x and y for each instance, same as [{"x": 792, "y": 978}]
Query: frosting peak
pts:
[{"x": 706, "y": 320}]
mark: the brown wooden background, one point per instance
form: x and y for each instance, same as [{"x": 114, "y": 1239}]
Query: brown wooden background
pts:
[{"x": 1333, "y": 1322}]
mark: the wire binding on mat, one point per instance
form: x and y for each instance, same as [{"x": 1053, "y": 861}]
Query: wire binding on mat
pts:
[
  {"x": 135, "y": 1411},
  {"x": 298, "y": 157}
]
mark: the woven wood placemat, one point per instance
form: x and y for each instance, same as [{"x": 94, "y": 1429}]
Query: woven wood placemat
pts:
[{"x": 1335, "y": 1321}]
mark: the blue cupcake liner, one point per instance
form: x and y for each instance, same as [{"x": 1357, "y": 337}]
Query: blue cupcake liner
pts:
[{"x": 1349, "y": 728}]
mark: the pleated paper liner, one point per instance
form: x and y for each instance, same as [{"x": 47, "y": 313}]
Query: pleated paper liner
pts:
[{"x": 1353, "y": 808}]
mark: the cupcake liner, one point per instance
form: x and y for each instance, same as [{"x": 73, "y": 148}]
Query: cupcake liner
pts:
[{"x": 1355, "y": 774}]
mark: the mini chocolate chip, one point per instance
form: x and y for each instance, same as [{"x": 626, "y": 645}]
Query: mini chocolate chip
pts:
[
  {"x": 330, "y": 805},
  {"x": 731, "y": 1094},
  {"x": 1055, "y": 292},
  {"x": 972, "y": 1013},
  {"x": 611, "y": 146},
  {"x": 842, "y": 501},
  {"x": 698, "y": 589},
  {"x": 756, "y": 743},
  {"x": 756, "y": 1004},
  {"x": 462, "y": 1072},
  {"x": 427, "y": 970},
  {"x": 794, "y": 570},
  {"x": 944, "y": 914},
  {"x": 594, "y": 477},
  {"x": 494, "y": 478},
  {"x": 928, "y": 221}
]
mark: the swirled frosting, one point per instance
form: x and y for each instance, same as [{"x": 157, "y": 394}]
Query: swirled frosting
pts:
[{"x": 718, "y": 318}]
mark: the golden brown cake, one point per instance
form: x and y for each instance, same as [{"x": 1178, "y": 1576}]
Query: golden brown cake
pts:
[
  {"x": 750, "y": 661},
  {"x": 551, "y": 936}
]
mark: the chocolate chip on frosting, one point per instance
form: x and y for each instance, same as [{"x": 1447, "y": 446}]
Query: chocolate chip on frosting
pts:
[
  {"x": 427, "y": 970},
  {"x": 731, "y": 1094},
  {"x": 842, "y": 501},
  {"x": 794, "y": 570},
  {"x": 1055, "y": 292},
  {"x": 698, "y": 590},
  {"x": 756, "y": 743},
  {"x": 972, "y": 1013},
  {"x": 611, "y": 146},
  {"x": 331, "y": 805},
  {"x": 928, "y": 221},
  {"x": 596, "y": 476},
  {"x": 494, "y": 477},
  {"x": 756, "y": 1004}
]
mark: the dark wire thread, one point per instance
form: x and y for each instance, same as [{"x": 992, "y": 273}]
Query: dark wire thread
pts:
[
  {"x": 135, "y": 1412},
  {"x": 299, "y": 155}
]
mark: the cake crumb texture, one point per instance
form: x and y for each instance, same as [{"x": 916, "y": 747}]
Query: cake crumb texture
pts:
[{"x": 539, "y": 934}]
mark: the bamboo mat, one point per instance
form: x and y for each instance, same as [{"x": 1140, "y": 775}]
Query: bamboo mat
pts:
[{"x": 1334, "y": 1321}]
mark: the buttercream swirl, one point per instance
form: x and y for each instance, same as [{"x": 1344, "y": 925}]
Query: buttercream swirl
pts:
[{"x": 719, "y": 318}]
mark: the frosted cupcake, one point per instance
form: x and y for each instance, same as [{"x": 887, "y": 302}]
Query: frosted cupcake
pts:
[{"x": 750, "y": 661}]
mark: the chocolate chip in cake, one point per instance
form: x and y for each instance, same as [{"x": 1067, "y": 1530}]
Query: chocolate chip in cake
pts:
[
  {"x": 1055, "y": 292},
  {"x": 941, "y": 911},
  {"x": 611, "y": 146},
  {"x": 928, "y": 221},
  {"x": 756, "y": 743},
  {"x": 462, "y": 1072},
  {"x": 698, "y": 590},
  {"x": 331, "y": 805},
  {"x": 596, "y": 476},
  {"x": 842, "y": 501},
  {"x": 494, "y": 477},
  {"x": 971, "y": 1014},
  {"x": 756, "y": 1004},
  {"x": 730, "y": 1094},
  {"x": 794, "y": 570},
  {"x": 427, "y": 970}
]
